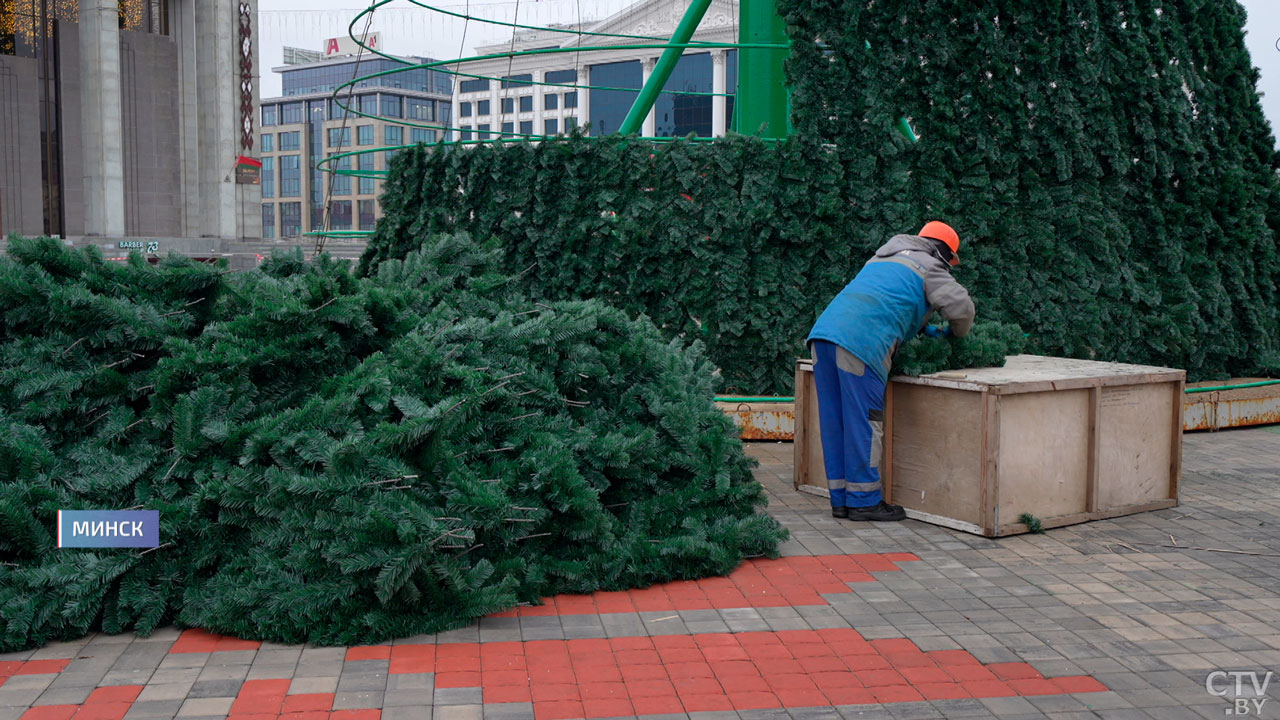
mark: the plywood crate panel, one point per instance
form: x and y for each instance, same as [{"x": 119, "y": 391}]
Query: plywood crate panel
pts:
[{"x": 1065, "y": 440}]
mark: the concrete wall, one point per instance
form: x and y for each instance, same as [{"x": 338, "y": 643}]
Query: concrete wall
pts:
[
  {"x": 169, "y": 162},
  {"x": 152, "y": 177},
  {"x": 21, "y": 204}
]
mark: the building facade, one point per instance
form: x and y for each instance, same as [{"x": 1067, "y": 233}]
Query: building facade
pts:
[
  {"x": 548, "y": 93},
  {"x": 129, "y": 119},
  {"x": 306, "y": 125}
]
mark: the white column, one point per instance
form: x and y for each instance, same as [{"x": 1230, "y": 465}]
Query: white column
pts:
[
  {"x": 583, "y": 111},
  {"x": 538, "y": 76},
  {"x": 719, "y": 78},
  {"x": 457, "y": 112},
  {"x": 218, "y": 82},
  {"x": 101, "y": 118},
  {"x": 649, "y": 128},
  {"x": 182, "y": 25},
  {"x": 495, "y": 107}
]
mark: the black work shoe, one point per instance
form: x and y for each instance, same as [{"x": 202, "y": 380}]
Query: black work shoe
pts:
[
  {"x": 840, "y": 512},
  {"x": 882, "y": 512}
]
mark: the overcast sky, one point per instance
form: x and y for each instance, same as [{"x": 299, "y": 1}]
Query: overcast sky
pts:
[{"x": 409, "y": 30}]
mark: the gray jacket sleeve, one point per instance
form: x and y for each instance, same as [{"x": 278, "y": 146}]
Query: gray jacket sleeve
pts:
[{"x": 949, "y": 298}]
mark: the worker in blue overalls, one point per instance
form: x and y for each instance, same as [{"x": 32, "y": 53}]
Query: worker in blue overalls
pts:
[{"x": 853, "y": 344}]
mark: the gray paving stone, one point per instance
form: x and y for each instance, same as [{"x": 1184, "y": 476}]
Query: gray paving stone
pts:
[
  {"x": 153, "y": 709},
  {"x": 357, "y": 700},
  {"x": 459, "y": 712},
  {"x": 210, "y": 706},
  {"x": 458, "y": 696},
  {"x": 411, "y": 681},
  {"x": 214, "y": 688},
  {"x": 63, "y": 696},
  {"x": 173, "y": 691}
]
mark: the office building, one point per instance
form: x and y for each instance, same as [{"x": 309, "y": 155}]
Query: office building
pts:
[
  {"x": 512, "y": 104},
  {"x": 306, "y": 125}
]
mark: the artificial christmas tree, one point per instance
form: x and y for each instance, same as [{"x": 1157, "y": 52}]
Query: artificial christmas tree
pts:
[{"x": 346, "y": 460}]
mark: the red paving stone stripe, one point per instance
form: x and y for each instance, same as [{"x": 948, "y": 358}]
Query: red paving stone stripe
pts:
[
  {"x": 785, "y": 582},
  {"x": 196, "y": 640},
  {"x": 598, "y": 678},
  {"x": 270, "y": 700},
  {"x": 9, "y": 668},
  {"x": 105, "y": 703}
]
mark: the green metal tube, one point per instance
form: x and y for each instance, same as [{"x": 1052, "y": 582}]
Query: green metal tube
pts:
[
  {"x": 762, "y": 84},
  {"x": 658, "y": 78},
  {"x": 1231, "y": 387}
]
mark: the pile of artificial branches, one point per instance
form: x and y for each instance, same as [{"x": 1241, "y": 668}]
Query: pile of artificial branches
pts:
[{"x": 340, "y": 459}]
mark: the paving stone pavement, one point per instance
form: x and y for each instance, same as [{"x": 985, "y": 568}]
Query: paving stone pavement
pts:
[{"x": 1125, "y": 618}]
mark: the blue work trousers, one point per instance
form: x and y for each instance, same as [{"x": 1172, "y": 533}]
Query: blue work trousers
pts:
[{"x": 851, "y": 413}]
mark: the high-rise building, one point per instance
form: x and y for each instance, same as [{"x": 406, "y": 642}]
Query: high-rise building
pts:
[
  {"x": 124, "y": 120},
  {"x": 306, "y": 125}
]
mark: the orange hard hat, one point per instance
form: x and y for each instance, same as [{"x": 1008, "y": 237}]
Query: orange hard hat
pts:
[{"x": 937, "y": 230}]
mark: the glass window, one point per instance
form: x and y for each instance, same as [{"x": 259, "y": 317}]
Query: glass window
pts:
[
  {"x": 367, "y": 186},
  {"x": 369, "y": 104},
  {"x": 340, "y": 215},
  {"x": 570, "y": 123},
  {"x": 507, "y": 128},
  {"x": 464, "y": 109},
  {"x": 609, "y": 107},
  {"x": 268, "y": 115},
  {"x": 291, "y": 140},
  {"x": 517, "y": 80},
  {"x": 317, "y": 215},
  {"x": 268, "y": 220},
  {"x": 476, "y": 85},
  {"x": 482, "y": 132},
  {"x": 680, "y": 114},
  {"x": 482, "y": 107},
  {"x": 422, "y": 135},
  {"x": 290, "y": 113},
  {"x": 341, "y": 183},
  {"x": 508, "y": 106},
  {"x": 465, "y": 135},
  {"x": 551, "y": 127},
  {"x": 526, "y": 127},
  {"x": 391, "y": 106},
  {"x": 268, "y": 176},
  {"x": 561, "y": 76},
  {"x": 268, "y": 142},
  {"x": 366, "y": 214},
  {"x": 290, "y": 176},
  {"x": 339, "y": 137},
  {"x": 290, "y": 219},
  {"x": 393, "y": 135},
  {"x": 364, "y": 135},
  {"x": 571, "y": 100},
  {"x": 526, "y": 103},
  {"x": 418, "y": 109},
  {"x": 551, "y": 101}
]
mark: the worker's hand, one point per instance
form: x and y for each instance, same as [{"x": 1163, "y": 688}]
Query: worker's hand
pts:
[{"x": 934, "y": 331}]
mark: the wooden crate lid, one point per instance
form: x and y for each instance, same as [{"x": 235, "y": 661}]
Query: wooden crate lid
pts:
[{"x": 1038, "y": 373}]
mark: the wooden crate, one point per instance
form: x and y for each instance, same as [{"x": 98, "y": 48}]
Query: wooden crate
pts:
[{"x": 1065, "y": 440}]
